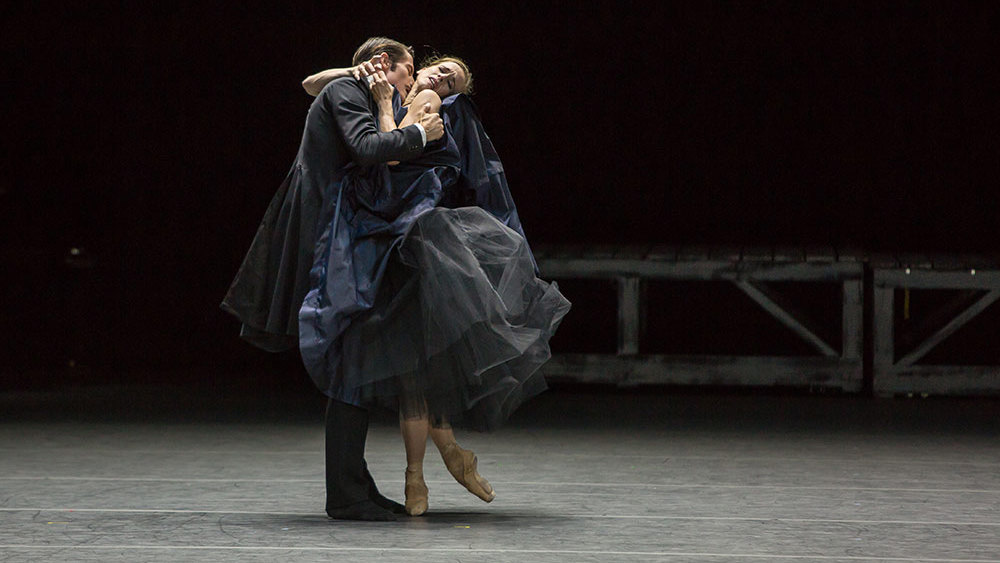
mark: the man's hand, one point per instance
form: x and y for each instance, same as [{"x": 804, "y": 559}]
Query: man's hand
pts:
[
  {"x": 381, "y": 89},
  {"x": 431, "y": 122}
]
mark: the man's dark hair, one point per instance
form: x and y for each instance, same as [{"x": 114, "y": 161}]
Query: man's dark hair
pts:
[{"x": 375, "y": 45}]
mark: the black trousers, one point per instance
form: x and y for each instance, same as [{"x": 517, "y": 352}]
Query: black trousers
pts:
[{"x": 347, "y": 478}]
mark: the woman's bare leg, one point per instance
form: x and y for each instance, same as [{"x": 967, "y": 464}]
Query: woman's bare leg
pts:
[
  {"x": 415, "y": 432},
  {"x": 443, "y": 436}
]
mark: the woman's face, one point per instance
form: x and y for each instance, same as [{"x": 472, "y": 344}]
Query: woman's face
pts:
[{"x": 445, "y": 78}]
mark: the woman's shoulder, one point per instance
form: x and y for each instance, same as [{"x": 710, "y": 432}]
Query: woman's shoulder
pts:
[{"x": 425, "y": 96}]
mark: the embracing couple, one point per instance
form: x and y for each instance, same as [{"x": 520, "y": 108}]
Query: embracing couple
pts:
[{"x": 392, "y": 255}]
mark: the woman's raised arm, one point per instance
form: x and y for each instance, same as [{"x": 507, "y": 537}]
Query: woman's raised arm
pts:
[{"x": 314, "y": 84}]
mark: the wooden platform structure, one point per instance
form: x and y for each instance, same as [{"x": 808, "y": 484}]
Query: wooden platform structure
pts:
[
  {"x": 749, "y": 269},
  {"x": 975, "y": 285},
  {"x": 976, "y": 280}
]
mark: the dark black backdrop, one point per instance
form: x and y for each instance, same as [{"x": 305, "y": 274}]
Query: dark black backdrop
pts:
[{"x": 152, "y": 137}]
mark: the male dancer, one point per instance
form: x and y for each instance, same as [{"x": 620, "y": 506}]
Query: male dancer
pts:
[{"x": 272, "y": 282}]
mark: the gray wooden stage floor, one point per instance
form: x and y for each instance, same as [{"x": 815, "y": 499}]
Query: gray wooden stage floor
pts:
[{"x": 167, "y": 474}]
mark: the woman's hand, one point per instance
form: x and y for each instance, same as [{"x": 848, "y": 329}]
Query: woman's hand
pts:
[{"x": 367, "y": 68}]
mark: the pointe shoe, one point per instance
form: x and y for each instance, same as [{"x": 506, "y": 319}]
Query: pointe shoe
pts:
[
  {"x": 462, "y": 465},
  {"x": 416, "y": 492}
]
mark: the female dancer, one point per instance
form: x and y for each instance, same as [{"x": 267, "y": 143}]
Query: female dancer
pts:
[{"x": 450, "y": 323}]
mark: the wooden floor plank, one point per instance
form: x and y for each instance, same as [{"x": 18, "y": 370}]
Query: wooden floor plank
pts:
[
  {"x": 914, "y": 260},
  {"x": 820, "y": 254},
  {"x": 945, "y": 261},
  {"x": 757, "y": 254},
  {"x": 693, "y": 253},
  {"x": 727, "y": 252},
  {"x": 851, "y": 253},
  {"x": 662, "y": 252},
  {"x": 788, "y": 253}
]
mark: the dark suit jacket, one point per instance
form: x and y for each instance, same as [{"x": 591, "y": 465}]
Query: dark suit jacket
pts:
[{"x": 272, "y": 282}]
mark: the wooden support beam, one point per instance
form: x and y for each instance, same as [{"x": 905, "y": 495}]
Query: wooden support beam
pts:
[
  {"x": 852, "y": 319},
  {"x": 795, "y": 371},
  {"x": 948, "y": 329},
  {"x": 940, "y": 380},
  {"x": 631, "y": 314},
  {"x": 590, "y": 268},
  {"x": 772, "y": 303},
  {"x": 883, "y": 327},
  {"x": 931, "y": 279}
]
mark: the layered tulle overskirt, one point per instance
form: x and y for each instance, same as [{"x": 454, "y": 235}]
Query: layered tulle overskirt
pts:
[{"x": 459, "y": 327}]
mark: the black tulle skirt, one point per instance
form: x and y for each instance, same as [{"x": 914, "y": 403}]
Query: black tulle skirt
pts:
[{"x": 459, "y": 327}]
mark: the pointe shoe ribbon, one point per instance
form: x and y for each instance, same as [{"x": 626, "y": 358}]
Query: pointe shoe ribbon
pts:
[
  {"x": 463, "y": 464},
  {"x": 416, "y": 493}
]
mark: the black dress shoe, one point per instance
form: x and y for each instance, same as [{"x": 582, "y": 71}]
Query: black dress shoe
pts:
[
  {"x": 386, "y": 503},
  {"x": 364, "y": 510}
]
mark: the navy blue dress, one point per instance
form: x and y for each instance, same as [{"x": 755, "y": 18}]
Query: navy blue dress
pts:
[{"x": 423, "y": 295}]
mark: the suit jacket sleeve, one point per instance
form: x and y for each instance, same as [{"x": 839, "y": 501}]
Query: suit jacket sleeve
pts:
[{"x": 350, "y": 106}]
